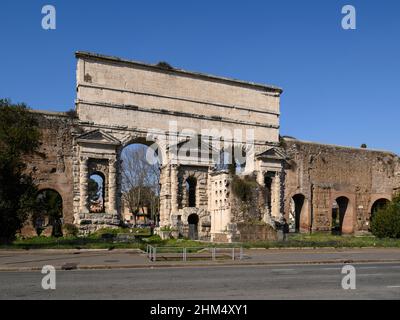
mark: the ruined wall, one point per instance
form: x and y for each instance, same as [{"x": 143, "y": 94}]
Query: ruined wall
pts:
[
  {"x": 233, "y": 219},
  {"x": 51, "y": 164},
  {"x": 323, "y": 173},
  {"x": 254, "y": 232}
]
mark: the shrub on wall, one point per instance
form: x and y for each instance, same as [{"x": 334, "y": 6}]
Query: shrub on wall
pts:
[
  {"x": 386, "y": 221},
  {"x": 69, "y": 229},
  {"x": 243, "y": 188}
]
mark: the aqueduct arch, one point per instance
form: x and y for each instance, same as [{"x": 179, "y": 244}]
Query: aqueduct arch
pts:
[
  {"x": 299, "y": 210},
  {"x": 378, "y": 204}
]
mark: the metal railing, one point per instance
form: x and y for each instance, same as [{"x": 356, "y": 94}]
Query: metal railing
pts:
[{"x": 193, "y": 253}]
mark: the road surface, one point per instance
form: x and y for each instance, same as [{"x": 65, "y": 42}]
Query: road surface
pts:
[{"x": 373, "y": 281}]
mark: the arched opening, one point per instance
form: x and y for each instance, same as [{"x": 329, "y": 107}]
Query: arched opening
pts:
[
  {"x": 298, "y": 206},
  {"x": 339, "y": 209},
  {"x": 193, "y": 221},
  {"x": 224, "y": 160},
  {"x": 268, "y": 180},
  {"x": 96, "y": 192},
  {"x": 140, "y": 184},
  {"x": 239, "y": 157},
  {"x": 49, "y": 212},
  {"x": 378, "y": 204},
  {"x": 191, "y": 184}
]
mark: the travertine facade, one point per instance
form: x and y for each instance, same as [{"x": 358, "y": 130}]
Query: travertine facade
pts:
[{"x": 122, "y": 102}]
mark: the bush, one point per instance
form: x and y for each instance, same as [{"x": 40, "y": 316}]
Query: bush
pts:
[
  {"x": 243, "y": 188},
  {"x": 69, "y": 230},
  {"x": 155, "y": 239},
  {"x": 164, "y": 65},
  {"x": 107, "y": 232},
  {"x": 168, "y": 228},
  {"x": 386, "y": 221}
]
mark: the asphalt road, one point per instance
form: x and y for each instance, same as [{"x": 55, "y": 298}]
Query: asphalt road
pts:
[{"x": 373, "y": 281}]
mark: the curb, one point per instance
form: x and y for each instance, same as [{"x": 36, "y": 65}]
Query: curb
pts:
[
  {"x": 223, "y": 264},
  {"x": 323, "y": 248},
  {"x": 61, "y": 251}
]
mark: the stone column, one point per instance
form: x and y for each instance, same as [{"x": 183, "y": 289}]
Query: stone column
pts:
[
  {"x": 276, "y": 196},
  {"x": 260, "y": 178},
  {"x": 209, "y": 189},
  {"x": 174, "y": 189},
  {"x": 112, "y": 186},
  {"x": 83, "y": 182},
  {"x": 165, "y": 198}
]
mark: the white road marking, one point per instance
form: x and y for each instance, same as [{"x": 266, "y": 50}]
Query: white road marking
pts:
[
  {"x": 392, "y": 287},
  {"x": 277, "y": 270}
]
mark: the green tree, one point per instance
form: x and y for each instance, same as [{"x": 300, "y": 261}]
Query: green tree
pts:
[
  {"x": 49, "y": 204},
  {"x": 19, "y": 136},
  {"x": 93, "y": 190},
  {"x": 386, "y": 221},
  {"x": 140, "y": 181}
]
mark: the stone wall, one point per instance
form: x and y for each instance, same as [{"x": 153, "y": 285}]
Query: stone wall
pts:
[
  {"x": 324, "y": 173},
  {"x": 52, "y": 164},
  {"x": 254, "y": 232},
  {"x": 117, "y": 92}
]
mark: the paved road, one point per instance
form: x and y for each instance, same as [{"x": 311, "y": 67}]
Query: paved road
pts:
[
  {"x": 374, "y": 281},
  {"x": 35, "y": 259}
]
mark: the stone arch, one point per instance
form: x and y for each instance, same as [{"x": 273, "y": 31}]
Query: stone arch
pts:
[
  {"x": 50, "y": 204},
  {"x": 191, "y": 191},
  {"x": 342, "y": 215},
  {"x": 203, "y": 226},
  {"x": 224, "y": 160},
  {"x": 99, "y": 167},
  {"x": 299, "y": 210},
  {"x": 46, "y": 186},
  {"x": 376, "y": 205},
  {"x": 148, "y": 140},
  {"x": 376, "y": 197},
  {"x": 144, "y": 152},
  {"x": 98, "y": 205},
  {"x": 196, "y": 173},
  {"x": 268, "y": 181},
  {"x": 239, "y": 158},
  {"x": 193, "y": 222}
]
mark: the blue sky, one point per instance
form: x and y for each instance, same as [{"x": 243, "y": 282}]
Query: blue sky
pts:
[{"x": 340, "y": 86}]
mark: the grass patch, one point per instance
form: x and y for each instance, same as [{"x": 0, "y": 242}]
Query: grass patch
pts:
[
  {"x": 324, "y": 240},
  {"x": 145, "y": 232},
  {"x": 98, "y": 241},
  {"x": 69, "y": 243}
]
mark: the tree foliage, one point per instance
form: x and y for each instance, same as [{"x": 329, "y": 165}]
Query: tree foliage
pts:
[
  {"x": 49, "y": 204},
  {"x": 244, "y": 188},
  {"x": 93, "y": 190},
  {"x": 140, "y": 180},
  {"x": 19, "y": 136},
  {"x": 386, "y": 221}
]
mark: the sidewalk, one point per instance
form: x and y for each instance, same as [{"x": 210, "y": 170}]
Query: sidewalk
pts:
[{"x": 103, "y": 259}]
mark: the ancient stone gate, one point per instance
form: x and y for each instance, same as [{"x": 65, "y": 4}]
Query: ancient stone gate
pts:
[
  {"x": 195, "y": 121},
  {"x": 120, "y": 102}
]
